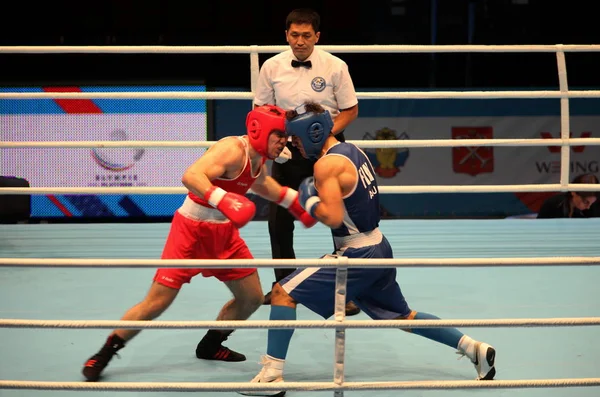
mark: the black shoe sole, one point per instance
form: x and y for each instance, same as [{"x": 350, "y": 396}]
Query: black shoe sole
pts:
[
  {"x": 490, "y": 375},
  {"x": 91, "y": 377},
  {"x": 228, "y": 360},
  {"x": 280, "y": 394},
  {"x": 352, "y": 312}
]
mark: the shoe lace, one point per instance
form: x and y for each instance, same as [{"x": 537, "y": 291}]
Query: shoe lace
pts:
[
  {"x": 462, "y": 354},
  {"x": 265, "y": 365}
]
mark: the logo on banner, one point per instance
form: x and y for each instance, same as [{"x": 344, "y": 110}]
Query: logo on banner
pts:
[
  {"x": 556, "y": 149},
  {"x": 117, "y": 159},
  {"x": 577, "y": 165},
  {"x": 472, "y": 160},
  {"x": 387, "y": 161}
]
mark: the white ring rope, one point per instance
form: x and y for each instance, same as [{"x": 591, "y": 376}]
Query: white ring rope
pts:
[
  {"x": 369, "y": 144},
  {"x": 583, "y": 187},
  {"x": 264, "y": 49},
  {"x": 300, "y": 386},
  {"x": 249, "y": 95},
  {"x": 294, "y": 263},
  {"x": 306, "y": 324}
]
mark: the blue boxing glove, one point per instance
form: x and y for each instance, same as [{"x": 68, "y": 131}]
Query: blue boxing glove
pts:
[{"x": 308, "y": 196}]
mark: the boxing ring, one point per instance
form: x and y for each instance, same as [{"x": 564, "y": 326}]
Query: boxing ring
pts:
[{"x": 527, "y": 287}]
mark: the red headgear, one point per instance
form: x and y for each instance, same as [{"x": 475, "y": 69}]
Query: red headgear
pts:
[{"x": 260, "y": 122}]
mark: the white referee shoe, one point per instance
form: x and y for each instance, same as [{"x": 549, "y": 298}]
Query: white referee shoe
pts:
[{"x": 271, "y": 372}]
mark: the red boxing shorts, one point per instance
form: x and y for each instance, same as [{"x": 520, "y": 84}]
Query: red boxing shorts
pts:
[{"x": 198, "y": 239}]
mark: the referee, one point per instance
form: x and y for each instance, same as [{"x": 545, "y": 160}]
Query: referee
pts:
[{"x": 302, "y": 73}]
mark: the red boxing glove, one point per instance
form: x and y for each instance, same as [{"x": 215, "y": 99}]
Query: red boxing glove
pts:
[
  {"x": 288, "y": 198},
  {"x": 237, "y": 208}
]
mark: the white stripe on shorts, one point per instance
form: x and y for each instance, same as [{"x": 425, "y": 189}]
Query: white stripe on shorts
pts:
[{"x": 299, "y": 278}]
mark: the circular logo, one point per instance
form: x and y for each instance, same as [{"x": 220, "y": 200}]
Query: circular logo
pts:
[
  {"x": 318, "y": 84},
  {"x": 117, "y": 159},
  {"x": 254, "y": 129}
]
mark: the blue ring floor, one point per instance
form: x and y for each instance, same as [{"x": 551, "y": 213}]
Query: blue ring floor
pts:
[{"x": 371, "y": 355}]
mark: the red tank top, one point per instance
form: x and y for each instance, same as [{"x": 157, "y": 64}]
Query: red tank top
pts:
[{"x": 240, "y": 184}]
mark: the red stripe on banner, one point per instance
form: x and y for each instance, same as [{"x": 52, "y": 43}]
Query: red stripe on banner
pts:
[
  {"x": 59, "y": 205},
  {"x": 74, "y": 105},
  {"x": 534, "y": 200}
]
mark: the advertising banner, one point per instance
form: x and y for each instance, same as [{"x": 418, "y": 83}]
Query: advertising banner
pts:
[
  {"x": 464, "y": 165},
  {"x": 102, "y": 120}
]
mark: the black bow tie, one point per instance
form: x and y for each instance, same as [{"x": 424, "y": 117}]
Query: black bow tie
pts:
[{"x": 305, "y": 64}]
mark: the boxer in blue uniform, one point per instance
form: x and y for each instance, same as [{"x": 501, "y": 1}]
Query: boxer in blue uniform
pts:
[{"x": 344, "y": 195}]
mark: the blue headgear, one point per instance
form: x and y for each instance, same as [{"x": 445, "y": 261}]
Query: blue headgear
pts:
[{"x": 312, "y": 129}]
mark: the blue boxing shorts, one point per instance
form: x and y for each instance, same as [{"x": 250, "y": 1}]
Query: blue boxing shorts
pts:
[{"x": 374, "y": 290}]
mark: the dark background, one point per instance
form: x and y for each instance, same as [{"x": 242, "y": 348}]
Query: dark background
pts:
[{"x": 223, "y": 22}]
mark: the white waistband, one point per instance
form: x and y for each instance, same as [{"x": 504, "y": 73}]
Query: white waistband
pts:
[
  {"x": 359, "y": 240},
  {"x": 197, "y": 212}
]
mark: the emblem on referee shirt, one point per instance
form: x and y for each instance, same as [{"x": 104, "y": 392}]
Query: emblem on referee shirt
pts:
[{"x": 318, "y": 84}]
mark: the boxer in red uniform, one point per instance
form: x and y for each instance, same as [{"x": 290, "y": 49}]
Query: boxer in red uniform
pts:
[{"x": 206, "y": 227}]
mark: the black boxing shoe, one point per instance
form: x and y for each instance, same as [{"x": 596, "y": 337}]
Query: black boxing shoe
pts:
[
  {"x": 352, "y": 309},
  {"x": 93, "y": 367},
  {"x": 211, "y": 348}
]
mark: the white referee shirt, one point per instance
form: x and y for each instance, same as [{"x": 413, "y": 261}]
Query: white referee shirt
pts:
[{"x": 327, "y": 82}]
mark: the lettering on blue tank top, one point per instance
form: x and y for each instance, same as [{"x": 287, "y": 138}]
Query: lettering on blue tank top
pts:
[
  {"x": 367, "y": 178},
  {"x": 362, "y": 206}
]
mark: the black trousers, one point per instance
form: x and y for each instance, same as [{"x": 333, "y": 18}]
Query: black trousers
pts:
[{"x": 281, "y": 222}]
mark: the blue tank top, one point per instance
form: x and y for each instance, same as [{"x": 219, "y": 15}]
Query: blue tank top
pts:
[{"x": 362, "y": 204}]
